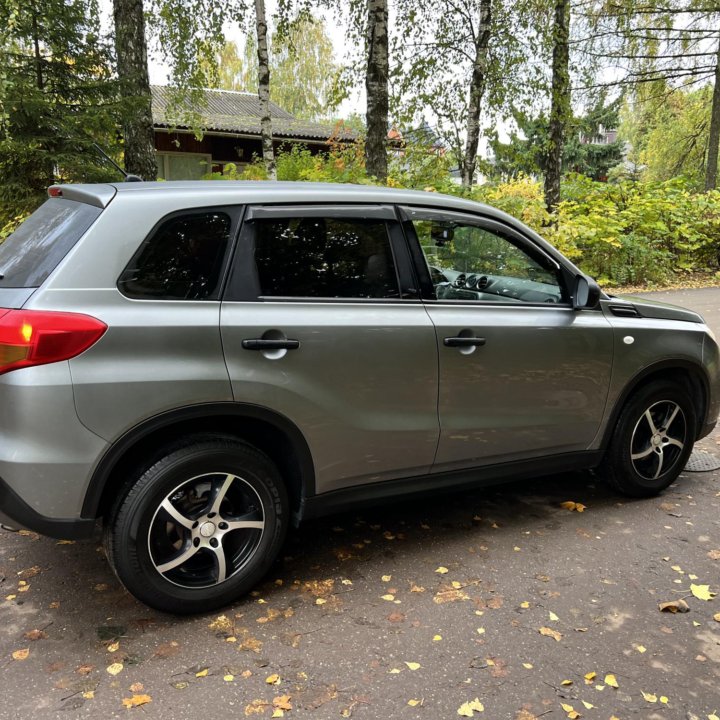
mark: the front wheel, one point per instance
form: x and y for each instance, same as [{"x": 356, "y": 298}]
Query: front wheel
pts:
[
  {"x": 652, "y": 441},
  {"x": 200, "y": 527}
]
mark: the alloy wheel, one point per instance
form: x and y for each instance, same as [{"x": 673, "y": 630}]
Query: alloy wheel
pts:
[{"x": 658, "y": 439}]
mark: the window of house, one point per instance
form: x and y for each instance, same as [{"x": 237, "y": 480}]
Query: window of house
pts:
[{"x": 183, "y": 166}]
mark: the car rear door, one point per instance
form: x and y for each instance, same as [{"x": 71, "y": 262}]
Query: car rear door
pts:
[
  {"x": 320, "y": 325},
  {"x": 522, "y": 374}
]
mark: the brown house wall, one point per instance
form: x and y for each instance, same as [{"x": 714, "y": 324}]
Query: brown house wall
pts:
[{"x": 222, "y": 148}]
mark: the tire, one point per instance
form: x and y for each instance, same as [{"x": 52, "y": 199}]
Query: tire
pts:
[
  {"x": 199, "y": 527},
  {"x": 652, "y": 440}
]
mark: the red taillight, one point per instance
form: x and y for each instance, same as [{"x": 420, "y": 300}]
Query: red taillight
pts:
[
  {"x": 54, "y": 191},
  {"x": 37, "y": 337}
]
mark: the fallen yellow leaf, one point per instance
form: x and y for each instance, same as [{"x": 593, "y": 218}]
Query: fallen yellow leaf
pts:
[
  {"x": 115, "y": 668},
  {"x": 273, "y": 679},
  {"x": 388, "y": 597},
  {"x": 413, "y": 665},
  {"x": 394, "y": 671},
  {"x": 136, "y": 701},
  {"x": 320, "y": 601},
  {"x": 554, "y": 617},
  {"x": 713, "y": 716},
  {"x": 702, "y": 592},
  {"x": 202, "y": 673},
  {"x": 528, "y": 666},
  {"x": 611, "y": 680},
  {"x": 282, "y": 702},
  {"x": 649, "y": 696},
  {"x": 442, "y": 570},
  {"x": 588, "y": 706},
  {"x": 590, "y": 677},
  {"x": 278, "y": 713},
  {"x": 716, "y": 617},
  {"x": 525, "y": 605},
  {"x": 549, "y": 632},
  {"x": 21, "y": 654},
  {"x": 386, "y": 578},
  {"x": 640, "y": 648},
  {"x": 414, "y": 703},
  {"x": 437, "y": 638},
  {"x": 468, "y": 709},
  {"x": 89, "y": 694},
  {"x": 566, "y": 682},
  {"x": 663, "y": 699},
  {"x": 113, "y": 647},
  {"x": 228, "y": 678},
  {"x": 481, "y": 631}
]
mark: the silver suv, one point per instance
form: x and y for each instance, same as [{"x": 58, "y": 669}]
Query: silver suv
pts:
[{"x": 201, "y": 364}]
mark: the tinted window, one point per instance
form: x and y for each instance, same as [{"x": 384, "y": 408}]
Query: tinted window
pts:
[
  {"x": 182, "y": 260},
  {"x": 36, "y": 248},
  {"x": 324, "y": 258}
]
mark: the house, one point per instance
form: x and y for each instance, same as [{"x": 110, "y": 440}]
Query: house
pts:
[{"x": 230, "y": 124}]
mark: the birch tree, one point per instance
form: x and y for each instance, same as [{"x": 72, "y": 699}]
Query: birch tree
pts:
[{"x": 132, "y": 70}]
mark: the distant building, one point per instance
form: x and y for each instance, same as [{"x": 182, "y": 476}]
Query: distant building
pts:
[{"x": 231, "y": 133}]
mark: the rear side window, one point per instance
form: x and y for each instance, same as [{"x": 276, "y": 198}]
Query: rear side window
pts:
[
  {"x": 182, "y": 259},
  {"x": 323, "y": 257},
  {"x": 36, "y": 248}
]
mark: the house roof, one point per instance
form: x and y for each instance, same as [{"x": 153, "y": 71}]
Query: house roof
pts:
[{"x": 229, "y": 111}]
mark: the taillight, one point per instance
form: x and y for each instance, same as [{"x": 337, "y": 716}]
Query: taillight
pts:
[{"x": 38, "y": 337}]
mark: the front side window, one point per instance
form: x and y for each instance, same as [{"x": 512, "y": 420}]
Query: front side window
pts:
[
  {"x": 470, "y": 262},
  {"x": 182, "y": 259},
  {"x": 324, "y": 257}
]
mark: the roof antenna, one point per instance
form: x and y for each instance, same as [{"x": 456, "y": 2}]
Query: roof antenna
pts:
[{"x": 128, "y": 177}]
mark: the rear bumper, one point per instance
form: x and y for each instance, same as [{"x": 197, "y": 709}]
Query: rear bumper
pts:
[{"x": 16, "y": 513}]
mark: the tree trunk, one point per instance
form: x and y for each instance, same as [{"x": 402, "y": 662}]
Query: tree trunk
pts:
[
  {"x": 264, "y": 90},
  {"x": 560, "y": 108},
  {"x": 477, "y": 90},
  {"x": 376, "y": 86},
  {"x": 711, "y": 165},
  {"x": 132, "y": 67}
]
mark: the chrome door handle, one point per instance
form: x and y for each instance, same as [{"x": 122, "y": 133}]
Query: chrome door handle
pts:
[
  {"x": 260, "y": 344},
  {"x": 463, "y": 341}
]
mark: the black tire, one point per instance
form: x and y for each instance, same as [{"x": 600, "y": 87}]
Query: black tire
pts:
[
  {"x": 199, "y": 527},
  {"x": 652, "y": 440}
]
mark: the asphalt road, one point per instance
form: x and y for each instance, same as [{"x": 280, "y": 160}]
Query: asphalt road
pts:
[{"x": 410, "y": 611}]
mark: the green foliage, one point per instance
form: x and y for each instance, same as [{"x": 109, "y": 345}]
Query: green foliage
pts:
[
  {"x": 57, "y": 97},
  {"x": 584, "y": 151},
  {"x": 304, "y": 74},
  {"x": 668, "y": 130}
]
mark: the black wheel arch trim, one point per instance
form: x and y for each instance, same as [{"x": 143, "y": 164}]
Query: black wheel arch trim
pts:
[
  {"x": 119, "y": 448},
  {"x": 16, "y": 513},
  {"x": 647, "y": 372}
]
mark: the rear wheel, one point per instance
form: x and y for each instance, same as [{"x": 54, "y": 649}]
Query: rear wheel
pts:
[
  {"x": 200, "y": 527},
  {"x": 652, "y": 441}
]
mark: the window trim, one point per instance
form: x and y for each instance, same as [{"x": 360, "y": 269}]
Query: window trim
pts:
[
  {"x": 234, "y": 212},
  {"x": 163, "y": 156},
  {"x": 243, "y": 283},
  {"x": 486, "y": 223}
]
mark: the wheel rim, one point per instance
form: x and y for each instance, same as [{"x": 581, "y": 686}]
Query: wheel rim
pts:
[
  {"x": 206, "y": 530},
  {"x": 658, "y": 439}
]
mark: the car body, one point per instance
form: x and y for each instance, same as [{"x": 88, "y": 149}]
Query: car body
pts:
[{"x": 323, "y": 345}]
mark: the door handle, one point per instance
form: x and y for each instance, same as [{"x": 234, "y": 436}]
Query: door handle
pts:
[
  {"x": 463, "y": 341},
  {"x": 260, "y": 344}
]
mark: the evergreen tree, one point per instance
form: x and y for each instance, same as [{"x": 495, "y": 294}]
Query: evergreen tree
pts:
[{"x": 57, "y": 97}]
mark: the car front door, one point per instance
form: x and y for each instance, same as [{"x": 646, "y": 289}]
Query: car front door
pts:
[
  {"x": 522, "y": 374},
  {"x": 319, "y": 325}
]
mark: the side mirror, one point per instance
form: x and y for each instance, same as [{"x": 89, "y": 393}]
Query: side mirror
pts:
[{"x": 586, "y": 293}]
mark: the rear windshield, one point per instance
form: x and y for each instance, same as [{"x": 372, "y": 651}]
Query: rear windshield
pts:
[{"x": 34, "y": 250}]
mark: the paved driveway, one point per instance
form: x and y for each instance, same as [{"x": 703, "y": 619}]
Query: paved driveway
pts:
[{"x": 498, "y": 599}]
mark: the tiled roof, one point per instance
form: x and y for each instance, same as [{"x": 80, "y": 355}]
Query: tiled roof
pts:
[{"x": 238, "y": 112}]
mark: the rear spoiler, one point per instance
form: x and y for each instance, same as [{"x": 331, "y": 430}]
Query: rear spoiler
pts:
[{"x": 97, "y": 195}]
